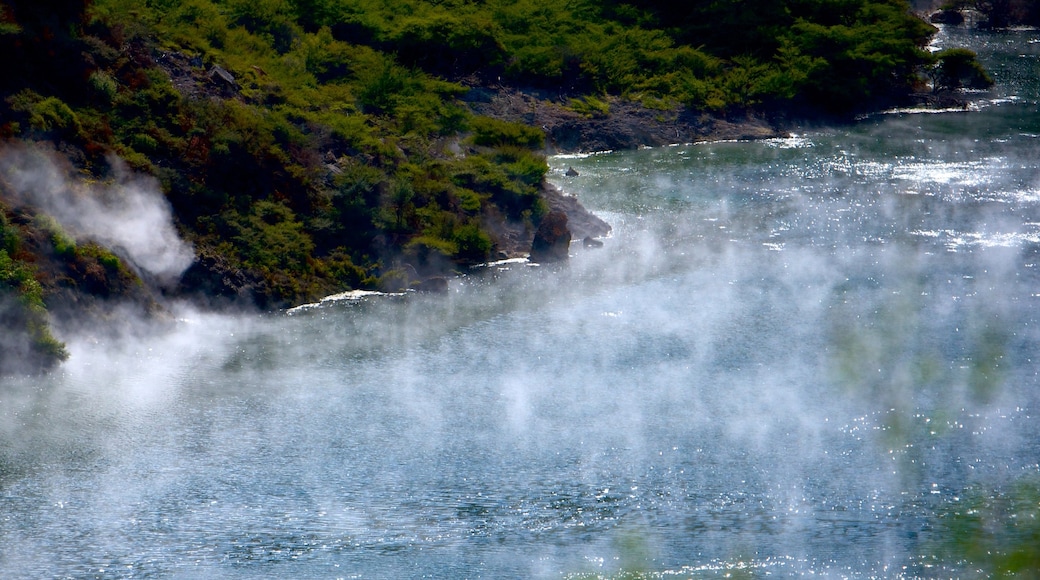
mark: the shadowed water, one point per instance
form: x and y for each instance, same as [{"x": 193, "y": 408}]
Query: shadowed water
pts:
[{"x": 791, "y": 358}]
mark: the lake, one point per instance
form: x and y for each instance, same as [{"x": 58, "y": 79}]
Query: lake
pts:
[{"x": 808, "y": 356}]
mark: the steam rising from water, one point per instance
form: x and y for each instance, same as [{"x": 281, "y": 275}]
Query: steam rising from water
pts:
[
  {"x": 127, "y": 213},
  {"x": 789, "y": 359}
]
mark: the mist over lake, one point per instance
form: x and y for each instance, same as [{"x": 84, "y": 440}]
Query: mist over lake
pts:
[{"x": 792, "y": 357}]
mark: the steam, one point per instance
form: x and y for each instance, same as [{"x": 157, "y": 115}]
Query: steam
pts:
[
  {"x": 789, "y": 356},
  {"x": 127, "y": 213}
]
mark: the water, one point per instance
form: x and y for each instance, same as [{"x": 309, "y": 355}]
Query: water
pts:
[{"x": 793, "y": 357}]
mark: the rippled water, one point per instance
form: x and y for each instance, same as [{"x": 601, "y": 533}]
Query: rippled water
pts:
[{"x": 791, "y": 358}]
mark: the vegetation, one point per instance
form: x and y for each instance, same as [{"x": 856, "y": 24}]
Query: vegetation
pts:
[
  {"x": 957, "y": 68},
  {"x": 22, "y": 311},
  {"x": 307, "y": 146}
]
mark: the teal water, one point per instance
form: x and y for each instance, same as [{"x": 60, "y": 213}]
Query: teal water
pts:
[{"x": 793, "y": 357}]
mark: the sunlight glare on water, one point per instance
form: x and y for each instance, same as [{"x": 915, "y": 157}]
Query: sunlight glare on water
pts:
[{"x": 796, "y": 357}]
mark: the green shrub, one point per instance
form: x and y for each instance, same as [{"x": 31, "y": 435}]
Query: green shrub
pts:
[
  {"x": 589, "y": 107},
  {"x": 9, "y": 28},
  {"x": 472, "y": 244},
  {"x": 340, "y": 267},
  {"x": 109, "y": 261},
  {"x": 103, "y": 85},
  {"x": 271, "y": 239},
  {"x": 53, "y": 115},
  {"x": 10, "y": 237},
  {"x": 490, "y": 132},
  {"x": 959, "y": 67},
  {"x": 429, "y": 248},
  {"x": 29, "y": 316},
  {"x": 469, "y": 200},
  {"x": 382, "y": 87},
  {"x": 64, "y": 245},
  {"x": 522, "y": 165}
]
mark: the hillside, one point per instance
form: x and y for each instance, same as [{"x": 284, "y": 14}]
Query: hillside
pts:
[{"x": 264, "y": 153}]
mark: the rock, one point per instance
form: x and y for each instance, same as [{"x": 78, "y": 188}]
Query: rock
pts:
[
  {"x": 552, "y": 241},
  {"x": 223, "y": 79},
  {"x": 591, "y": 242},
  {"x": 571, "y": 172},
  {"x": 953, "y": 17},
  {"x": 629, "y": 124},
  {"x": 221, "y": 74},
  {"x": 212, "y": 278},
  {"x": 581, "y": 222}
]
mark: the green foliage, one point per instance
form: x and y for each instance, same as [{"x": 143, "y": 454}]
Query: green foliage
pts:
[
  {"x": 273, "y": 20},
  {"x": 429, "y": 247},
  {"x": 112, "y": 263},
  {"x": 958, "y": 67},
  {"x": 64, "y": 245},
  {"x": 590, "y": 107},
  {"x": 345, "y": 140},
  {"x": 490, "y": 132},
  {"x": 521, "y": 165},
  {"x": 9, "y": 236},
  {"x": 446, "y": 42},
  {"x": 271, "y": 239},
  {"x": 859, "y": 60},
  {"x": 9, "y": 28},
  {"x": 382, "y": 86},
  {"x": 472, "y": 244},
  {"x": 51, "y": 115},
  {"x": 28, "y": 316},
  {"x": 341, "y": 269},
  {"x": 104, "y": 85},
  {"x": 508, "y": 175}
]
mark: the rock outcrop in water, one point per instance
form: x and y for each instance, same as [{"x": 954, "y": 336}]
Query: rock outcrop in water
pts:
[{"x": 552, "y": 241}]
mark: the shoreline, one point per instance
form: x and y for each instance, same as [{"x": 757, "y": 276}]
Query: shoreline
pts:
[{"x": 625, "y": 125}]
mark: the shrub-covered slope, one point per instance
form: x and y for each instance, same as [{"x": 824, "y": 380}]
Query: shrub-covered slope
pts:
[{"x": 304, "y": 147}]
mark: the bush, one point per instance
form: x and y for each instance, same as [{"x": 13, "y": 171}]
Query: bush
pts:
[
  {"x": 590, "y": 107},
  {"x": 490, "y": 132},
  {"x": 473, "y": 245},
  {"x": 9, "y": 235},
  {"x": 959, "y": 67},
  {"x": 104, "y": 86},
  {"x": 271, "y": 239},
  {"x": 64, "y": 245},
  {"x": 25, "y": 319}
]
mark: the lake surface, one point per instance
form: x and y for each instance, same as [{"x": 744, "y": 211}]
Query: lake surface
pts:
[{"x": 795, "y": 357}]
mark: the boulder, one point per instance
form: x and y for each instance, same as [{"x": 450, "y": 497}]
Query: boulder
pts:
[
  {"x": 552, "y": 241},
  {"x": 952, "y": 17}
]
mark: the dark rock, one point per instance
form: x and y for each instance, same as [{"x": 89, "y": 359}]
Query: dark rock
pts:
[
  {"x": 221, "y": 74},
  {"x": 571, "y": 172},
  {"x": 591, "y": 242},
  {"x": 552, "y": 240},
  {"x": 211, "y": 278},
  {"x": 581, "y": 222},
  {"x": 513, "y": 238},
  {"x": 953, "y": 17}
]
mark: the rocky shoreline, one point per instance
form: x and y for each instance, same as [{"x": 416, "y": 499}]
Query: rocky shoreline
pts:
[{"x": 626, "y": 125}]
